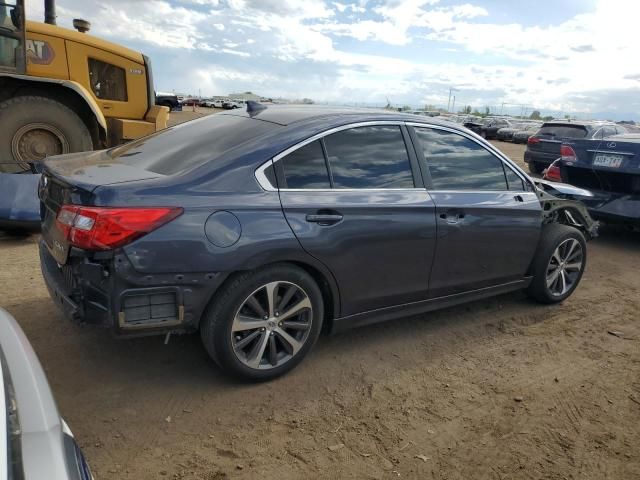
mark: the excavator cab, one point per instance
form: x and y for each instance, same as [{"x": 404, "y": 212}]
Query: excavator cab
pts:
[{"x": 12, "y": 36}]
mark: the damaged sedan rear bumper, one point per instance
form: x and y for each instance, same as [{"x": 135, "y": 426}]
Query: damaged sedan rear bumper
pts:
[{"x": 105, "y": 290}]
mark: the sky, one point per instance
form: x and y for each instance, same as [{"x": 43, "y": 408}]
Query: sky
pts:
[{"x": 564, "y": 56}]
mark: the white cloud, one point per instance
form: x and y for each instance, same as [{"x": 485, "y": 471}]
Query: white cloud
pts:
[{"x": 295, "y": 49}]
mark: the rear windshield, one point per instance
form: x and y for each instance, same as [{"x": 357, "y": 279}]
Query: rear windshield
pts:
[
  {"x": 191, "y": 144},
  {"x": 564, "y": 131}
]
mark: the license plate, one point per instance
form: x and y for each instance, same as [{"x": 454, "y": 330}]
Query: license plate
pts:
[{"x": 604, "y": 160}]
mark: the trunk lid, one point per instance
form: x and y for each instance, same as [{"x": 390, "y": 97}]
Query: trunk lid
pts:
[{"x": 552, "y": 135}]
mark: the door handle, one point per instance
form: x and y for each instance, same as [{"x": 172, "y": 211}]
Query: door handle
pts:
[
  {"x": 453, "y": 217},
  {"x": 324, "y": 218},
  {"x": 518, "y": 198}
]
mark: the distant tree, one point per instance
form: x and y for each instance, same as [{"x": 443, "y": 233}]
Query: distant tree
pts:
[
  {"x": 429, "y": 107},
  {"x": 547, "y": 118},
  {"x": 406, "y": 107},
  {"x": 307, "y": 101},
  {"x": 477, "y": 113},
  {"x": 535, "y": 115},
  {"x": 466, "y": 110},
  {"x": 487, "y": 111},
  {"x": 567, "y": 117}
]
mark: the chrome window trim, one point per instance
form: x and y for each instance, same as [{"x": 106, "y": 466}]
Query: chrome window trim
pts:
[
  {"x": 266, "y": 185},
  {"x": 479, "y": 141},
  {"x": 262, "y": 179},
  {"x": 4, "y": 440}
]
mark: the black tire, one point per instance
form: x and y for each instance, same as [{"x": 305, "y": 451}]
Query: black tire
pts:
[
  {"x": 217, "y": 321},
  {"x": 19, "y": 112},
  {"x": 554, "y": 235},
  {"x": 535, "y": 167}
]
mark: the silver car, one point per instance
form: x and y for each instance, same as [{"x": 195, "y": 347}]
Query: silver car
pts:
[{"x": 38, "y": 442}]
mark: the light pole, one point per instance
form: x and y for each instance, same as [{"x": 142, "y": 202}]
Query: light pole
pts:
[{"x": 451, "y": 89}]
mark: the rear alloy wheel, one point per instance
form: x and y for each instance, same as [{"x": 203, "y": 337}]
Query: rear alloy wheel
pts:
[
  {"x": 559, "y": 263},
  {"x": 272, "y": 325},
  {"x": 264, "y": 322}
]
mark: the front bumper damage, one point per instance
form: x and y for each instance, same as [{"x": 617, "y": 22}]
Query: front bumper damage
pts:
[{"x": 102, "y": 288}]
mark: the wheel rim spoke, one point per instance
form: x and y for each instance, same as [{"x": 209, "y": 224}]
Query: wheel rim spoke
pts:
[
  {"x": 294, "y": 344},
  {"x": 247, "y": 340},
  {"x": 297, "y": 308},
  {"x": 242, "y": 323},
  {"x": 573, "y": 266},
  {"x": 286, "y": 298},
  {"x": 272, "y": 291},
  {"x": 272, "y": 325},
  {"x": 253, "y": 303},
  {"x": 551, "y": 279},
  {"x": 257, "y": 352},
  {"x": 291, "y": 325}
]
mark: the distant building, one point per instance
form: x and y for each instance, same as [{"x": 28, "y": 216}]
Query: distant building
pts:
[{"x": 244, "y": 97}]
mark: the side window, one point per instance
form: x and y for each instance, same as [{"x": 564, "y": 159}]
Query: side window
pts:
[
  {"x": 306, "y": 167},
  {"x": 608, "y": 131},
  {"x": 108, "y": 82},
  {"x": 513, "y": 180},
  {"x": 457, "y": 163},
  {"x": 369, "y": 157}
]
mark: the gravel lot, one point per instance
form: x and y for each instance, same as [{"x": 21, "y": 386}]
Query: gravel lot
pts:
[{"x": 498, "y": 389}]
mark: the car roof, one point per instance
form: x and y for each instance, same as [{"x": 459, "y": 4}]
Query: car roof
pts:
[
  {"x": 290, "y": 114},
  {"x": 580, "y": 123}
]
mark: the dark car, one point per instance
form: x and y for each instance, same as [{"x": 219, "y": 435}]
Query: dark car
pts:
[
  {"x": 609, "y": 169},
  {"x": 521, "y": 136},
  {"x": 491, "y": 126},
  {"x": 261, "y": 228},
  {"x": 168, "y": 100},
  {"x": 544, "y": 147},
  {"x": 191, "y": 102}
]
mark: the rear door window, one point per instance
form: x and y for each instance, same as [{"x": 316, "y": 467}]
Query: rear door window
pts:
[
  {"x": 458, "y": 163},
  {"x": 369, "y": 157},
  {"x": 563, "y": 131},
  {"x": 306, "y": 167}
]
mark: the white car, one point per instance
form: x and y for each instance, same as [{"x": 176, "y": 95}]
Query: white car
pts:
[{"x": 37, "y": 441}]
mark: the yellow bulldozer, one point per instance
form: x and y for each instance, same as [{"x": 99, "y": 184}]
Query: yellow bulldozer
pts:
[{"x": 63, "y": 90}]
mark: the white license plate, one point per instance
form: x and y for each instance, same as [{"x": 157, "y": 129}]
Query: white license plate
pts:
[{"x": 604, "y": 160}]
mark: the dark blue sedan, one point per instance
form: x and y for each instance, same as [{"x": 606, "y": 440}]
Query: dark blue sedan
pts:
[{"x": 262, "y": 228}]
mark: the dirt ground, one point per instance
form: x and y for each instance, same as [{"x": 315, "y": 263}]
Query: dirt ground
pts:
[{"x": 497, "y": 389}]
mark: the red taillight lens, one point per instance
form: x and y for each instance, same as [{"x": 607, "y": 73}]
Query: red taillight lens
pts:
[
  {"x": 567, "y": 153},
  {"x": 553, "y": 173},
  {"x": 104, "y": 228},
  {"x": 532, "y": 140}
]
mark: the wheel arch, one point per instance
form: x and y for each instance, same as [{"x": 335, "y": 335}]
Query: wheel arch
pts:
[
  {"x": 69, "y": 93},
  {"x": 323, "y": 278}
]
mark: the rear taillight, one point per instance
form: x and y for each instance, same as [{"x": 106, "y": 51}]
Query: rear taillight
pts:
[
  {"x": 104, "y": 228},
  {"x": 533, "y": 140},
  {"x": 567, "y": 153},
  {"x": 553, "y": 173}
]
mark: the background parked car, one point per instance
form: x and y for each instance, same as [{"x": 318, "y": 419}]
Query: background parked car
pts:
[
  {"x": 544, "y": 147},
  {"x": 301, "y": 219},
  {"x": 191, "y": 102},
  {"x": 38, "y": 443},
  {"x": 610, "y": 169},
  {"x": 489, "y": 129},
  {"x": 230, "y": 105},
  {"x": 168, "y": 100},
  {"x": 506, "y": 133},
  {"x": 521, "y": 136}
]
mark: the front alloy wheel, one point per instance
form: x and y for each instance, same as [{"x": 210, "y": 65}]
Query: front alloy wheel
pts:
[
  {"x": 272, "y": 325},
  {"x": 564, "y": 267}
]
